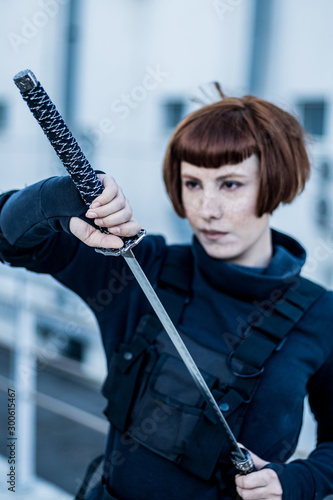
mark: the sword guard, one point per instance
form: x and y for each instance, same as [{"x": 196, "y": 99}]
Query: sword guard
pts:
[
  {"x": 129, "y": 242},
  {"x": 244, "y": 465}
]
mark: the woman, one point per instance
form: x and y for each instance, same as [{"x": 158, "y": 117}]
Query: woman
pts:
[{"x": 228, "y": 166}]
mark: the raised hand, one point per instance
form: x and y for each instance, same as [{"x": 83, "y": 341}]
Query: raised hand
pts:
[{"x": 109, "y": 210}]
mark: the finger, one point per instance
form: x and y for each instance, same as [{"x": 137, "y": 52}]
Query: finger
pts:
[
  {"x": 80, "y": 228},
  {"x": 93, "y": 237},
  {"x": 110, "y": 191},
  {"x": 118, "y": 203},
  {"x": 259, "y": 494},
  {"x": 130, "y": 228},
  {"x": 253, "y": 480},
  {"x": 255, "y": 494},
  {"x": 101, "y": 240},
  {"x": 121, "y": 217}
]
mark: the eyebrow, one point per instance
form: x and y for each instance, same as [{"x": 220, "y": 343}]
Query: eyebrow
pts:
[{"x": 221, "y": 177}]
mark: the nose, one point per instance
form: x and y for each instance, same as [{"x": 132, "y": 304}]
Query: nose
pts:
[{"x": 211, "y": 206}]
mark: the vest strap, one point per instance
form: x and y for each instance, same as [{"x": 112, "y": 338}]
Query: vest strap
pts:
[{"x": 267, "y": 333}]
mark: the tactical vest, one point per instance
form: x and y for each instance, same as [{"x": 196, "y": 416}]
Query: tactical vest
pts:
[
  {"x": 152, "y": 398},
  {"x": 151, "y": 395}
]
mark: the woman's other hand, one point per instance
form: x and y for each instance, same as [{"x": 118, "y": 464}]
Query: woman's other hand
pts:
[{"x": 264, "y": 484}]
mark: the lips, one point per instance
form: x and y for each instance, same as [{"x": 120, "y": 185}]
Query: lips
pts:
[{"x": 212, "y": 234}]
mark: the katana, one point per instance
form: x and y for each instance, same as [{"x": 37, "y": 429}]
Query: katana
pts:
[{"x": 89, "y": 187}]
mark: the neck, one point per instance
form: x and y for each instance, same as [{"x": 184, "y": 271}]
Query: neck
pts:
[{"x": 259, "y": 255}]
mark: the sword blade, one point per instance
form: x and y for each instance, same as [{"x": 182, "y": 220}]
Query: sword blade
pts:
[{"x": 181, "y": 348}]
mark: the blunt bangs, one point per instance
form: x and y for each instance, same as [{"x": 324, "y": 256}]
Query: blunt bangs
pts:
[{"x": 215, "y": 141}]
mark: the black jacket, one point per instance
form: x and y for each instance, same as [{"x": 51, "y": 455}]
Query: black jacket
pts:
[{"x": 34, "y": 229}]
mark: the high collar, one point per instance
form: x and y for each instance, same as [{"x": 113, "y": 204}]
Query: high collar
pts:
[{"x": 249, "y": 283}]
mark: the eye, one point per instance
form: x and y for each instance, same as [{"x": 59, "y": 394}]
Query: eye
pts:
[
  {"x": 191, "y": 185},
  {"x": 230, "y": 185}
]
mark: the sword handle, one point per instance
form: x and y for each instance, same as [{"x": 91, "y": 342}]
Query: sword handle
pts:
[
  {"x": 66, "y": 147},
  {"x": 245, "y": 465}
]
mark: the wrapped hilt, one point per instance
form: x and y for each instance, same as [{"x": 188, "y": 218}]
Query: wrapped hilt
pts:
[{"x": 66, "y": 147}]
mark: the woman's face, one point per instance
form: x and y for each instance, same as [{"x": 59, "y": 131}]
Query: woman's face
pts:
[{"x": 220, "y": 205}]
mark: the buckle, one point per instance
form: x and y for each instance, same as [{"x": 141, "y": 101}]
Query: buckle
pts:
[{"x": 238, "y": 374}]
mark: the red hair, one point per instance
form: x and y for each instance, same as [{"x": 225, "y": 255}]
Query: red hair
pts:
[{"x": 231, "y": 130}]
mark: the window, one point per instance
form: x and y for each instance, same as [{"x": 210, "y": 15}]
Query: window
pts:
[
  {"x": 325, "y": 171},
  {"x": 323, "y": 213},
  {"x": 3, "y": 115},
  {"x": 313, "y": 116},
  {"x": 56, "y": 343},
  {"x": 75, "y": 349},
  {"x": 173, "y": 112}
]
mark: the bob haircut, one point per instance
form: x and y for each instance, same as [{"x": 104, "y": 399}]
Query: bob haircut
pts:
[{"x": 231, "y": 130}]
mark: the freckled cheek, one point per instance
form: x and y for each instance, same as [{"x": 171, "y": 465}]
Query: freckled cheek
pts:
[
  {"x": 191, "y": 205},
  {"x": 191, "y": 215},
  {"x": 241, "y": 214}
]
